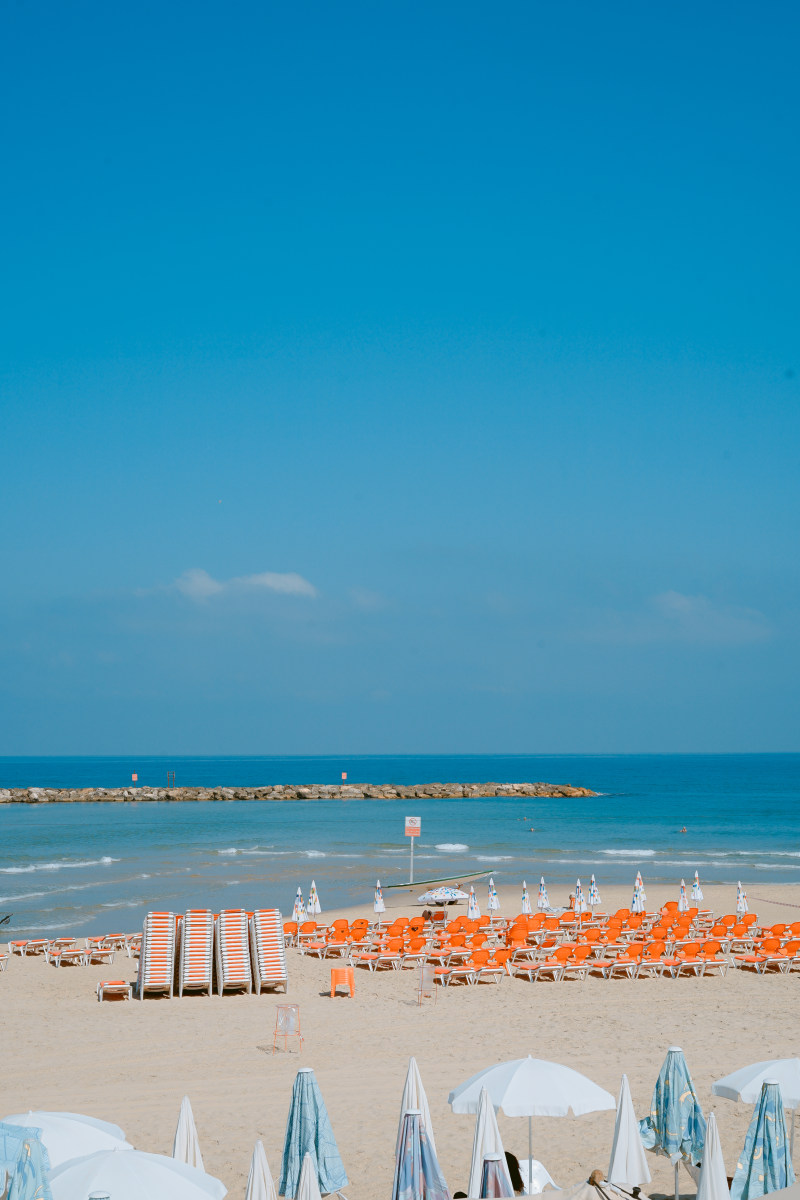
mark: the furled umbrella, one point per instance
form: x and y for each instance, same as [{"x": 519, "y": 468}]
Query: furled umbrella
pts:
[
  {"x": 24, "y": 1164},
  {"x": 132, "y": 1174},
  {"x": 580, "y": 903},
  {"x": 683, "y": 899},
  {"x": 260, "y": 1184},
  {"x": 532, "y": 1087},
  {"x": 628, "y": 1166},
  {"x": 378, "y": 905},
  {"x": 495, "y": 1182},
  {"x": 314, "y": 906},
  {"x": 66, "y": 1135},
  {"x": 473, "y": 908},
  {"x": 594, "y": 895},
  {"x": 417, "y": 1174},
  {"x": 493, "y": 903},
  {"x": 765, "y": 1164},
  {"x": 308, "y": 1131},
  {"x": 487, "y": 1140},
  {"x": 676, "y": 1126},
  {"x": 414, "y": 1098},
  {"x": 697, "y": 891},
  {"x": 741, "y": 900},
  {"x": 637, "y": 901},
  {"x": 544, "y": 900},
  {"x": 640, "y": 882},
  {"x": 308, "y": 1186},
  {"x": 299, "y": 911},
  {"x": 186, "y": 1146},
  {"x": 745, "y": 1084},
  {"x": 525, "y": 908},
  {"x": 713, "y": 1181}
]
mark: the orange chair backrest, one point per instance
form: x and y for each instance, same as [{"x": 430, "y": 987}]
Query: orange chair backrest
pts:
[
  {"x": 562, "y": 953},
  {"x": 658, "y": 932},
  {"x": 484, "y": 920},
  {"x": 654, "y": 950},
  {"x": 453, "y": 926},
  {"x": 740, "y": 931},
  {"x": 416, "y": 944},
  {"x": 550, "y": 923},
  {"x": 592, "y": 936},
  {"x": 719, "y": 931},
  {"x": 439, "y": 916},
  {"x": 691, "y": 949},
  {"x": 635, "y": 920},
  {"x": 635, "y": 951},
  {"x": 536, "y": 921},
  {"x": 582, "y": 952},
  {"x": 308, "y": 927},
  {"x": 770, "y": 943},
  {"x": 567, "y": 919},
  {"x": 622, "y": 914},
  {"x": 670, "y": 907},
  {"x": 778, "y": 930},
  {"x": 749, "y": 919},
  {"x": 360, "y": 923},
  {"x": 458, "y": 939},
  {"x": 711, "y": 948},
  {"x": 692, "y": 913},
  {"x": 729, "y": 920},
  {"x": 479, "y": 957},
  {"x": 795, "y": 928},
  {"x": 394, "y": 944},
  {"x": 478, "y": 939},
  {"x": 501, "y": 956},
  {"x": 290, "y": 926},
  {"x": 791, "y": 947}
]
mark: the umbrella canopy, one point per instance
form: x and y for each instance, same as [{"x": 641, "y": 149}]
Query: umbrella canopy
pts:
[
  {"x": 713, "y": 1181},
  {"x": 186, "y": 1147},
  {"x": 378, "y": 906},
  {"x": 417, "y": 1174},
  {"x": 24, "y": 1164},
  {"x": 640, "y": 882},
  {"x": 580, "y": 904},
  {"x": 308, "y": 1131},
  {"x": 487, "y": 1140},
  {"x": 594, "y": 895},
  {"x": 414, "y": 1099},
  {"x": 765, "y": 1164},
  {"x": 544, "y": 900},
  {"x": 473, "y": 908},
  {"x": 526, "y": 900},
  {"x": 532, "y": 1087},
  {"x": 131, "y": 1174},
  {"x": 745, "y": 1084},
  {"x": 628, "y": 1166},
  {"x": 308, "y": 1187},
  {"x": 494, "y": 1178},
  {"x": 683, "y": 899},
  {"x": 493, "y": 902},
  {"x": 299, "y": 910},
  {"x": 314, "y": 906},
  {"x": 676, "y": 1126},
  {"x": 741, "y": 899},
  {"x": 442, "y": 895},
  {"x": 260, "y": 1184},
  {"x": 697, "y": 891},
  {"x": 67, "y": 1135}
]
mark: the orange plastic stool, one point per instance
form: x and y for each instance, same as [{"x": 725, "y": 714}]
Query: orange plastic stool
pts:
[{"x": 342, "y": 977}]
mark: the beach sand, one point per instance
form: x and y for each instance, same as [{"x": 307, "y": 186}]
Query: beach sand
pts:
[{"x": 132, "y": 1062}]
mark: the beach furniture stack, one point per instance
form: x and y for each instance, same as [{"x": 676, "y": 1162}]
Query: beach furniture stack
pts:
[
  {"x": 157, "y": 956},
  {"x": 267, "y": 951},
  {"x": 196, "y": 951},
  {"x": 233, "y": 951}
]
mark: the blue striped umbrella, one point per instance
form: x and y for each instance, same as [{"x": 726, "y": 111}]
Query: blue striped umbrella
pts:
[
  {"x": 417, "y": 1174},
  {"x": 308, "y": 1131},
  {"x": 676, "y": 1126},
  {"x": 765, "y": 1164}
]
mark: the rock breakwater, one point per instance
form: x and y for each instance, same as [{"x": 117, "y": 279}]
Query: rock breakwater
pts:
[{"x": 348, "y": 791}]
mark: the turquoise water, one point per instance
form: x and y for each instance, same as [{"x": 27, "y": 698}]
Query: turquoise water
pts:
[{"x": 88, "y": 867}]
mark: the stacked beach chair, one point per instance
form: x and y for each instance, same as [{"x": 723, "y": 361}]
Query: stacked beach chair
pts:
[
  {"x": 233, "y": 951},
  {"x": 157, "y": 956},
  {"x": 267, "y": 949},
  {"x": 196, "y": 951}
]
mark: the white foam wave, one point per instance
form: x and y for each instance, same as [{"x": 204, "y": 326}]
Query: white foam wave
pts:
[
  {"x": 58, "y": 866},
  {"x": 232, "y": 850},
  {"x": 120, "y": 904},
  {"x": 39, "y": 928},
  {"x": 630, "y": 853},
  {"x": 315, "y": 854},
  {"x": 494, "y": 857},
  {"x": 451, "y": 846}
]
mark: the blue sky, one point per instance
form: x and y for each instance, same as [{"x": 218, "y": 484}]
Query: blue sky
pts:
[{"x": 385, "y": 378}]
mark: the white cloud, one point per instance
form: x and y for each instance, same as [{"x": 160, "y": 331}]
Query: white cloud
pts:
[
  {"x": 675, "y": 617},
  {"x": 197, "y": 584}
]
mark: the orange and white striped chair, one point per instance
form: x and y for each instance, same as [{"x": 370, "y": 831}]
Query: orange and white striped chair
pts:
[
  {"x": 267, "y": 949},
  {"x": 233, "y": 950},
  {"x": 157, "y": 956},
  {"x": 196, "y": 954}
]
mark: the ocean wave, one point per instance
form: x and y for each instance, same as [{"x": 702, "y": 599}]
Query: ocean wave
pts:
[
  {"x": 313, "y": 853},
  {"x": 121, "y": 904},
  {"x": 70, "y": 887},
  {"x": 58, "y": 866},
  {"x": 630, "y": 853},
  {"x": 39, "y": 928},
  {"x": 451, "y": 846},
  {"x": 231, "y": 850},
  {"x": 494, "y": 857}
]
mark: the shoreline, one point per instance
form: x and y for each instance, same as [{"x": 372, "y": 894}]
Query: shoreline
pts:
[{"x": 278, "y": 792}]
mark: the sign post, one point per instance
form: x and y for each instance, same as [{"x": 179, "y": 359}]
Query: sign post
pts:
[{"x": 413, "y": 830}]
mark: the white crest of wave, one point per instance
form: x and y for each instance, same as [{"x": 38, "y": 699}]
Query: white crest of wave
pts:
[
  {"x": 231, "y": 850},
  {"x": 58, "y": 866},
  {"x": 314, "y": 854},
  {"x": 630, "y": 853},
  {"x": 451, "y": 846}
]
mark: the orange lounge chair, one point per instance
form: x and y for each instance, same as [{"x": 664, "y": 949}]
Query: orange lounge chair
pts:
[
  {"x": 577, "y": 965},
  {"x": 114, "y": 987},
  {"x": 712, "y": 959},
  {"x": 626, "y": 963},
  {"x": 652, "y": 960},
  {"x": 687, "y": 960}
]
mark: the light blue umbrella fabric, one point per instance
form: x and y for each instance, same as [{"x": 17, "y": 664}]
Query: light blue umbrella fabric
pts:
[
  {"x": 417, "y": 1174},
  {"x": 765, "y": 1164},
  {"x": 308, "y": 1131},
  {"x": 676, "y": 1126},
  {"x": 24, "y": 1162}
]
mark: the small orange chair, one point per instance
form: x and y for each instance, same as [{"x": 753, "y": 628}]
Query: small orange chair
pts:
[{"x": 342, "y": 977}]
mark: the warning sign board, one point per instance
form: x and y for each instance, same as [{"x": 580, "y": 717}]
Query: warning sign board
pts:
[{"x": 413, "y": 826}]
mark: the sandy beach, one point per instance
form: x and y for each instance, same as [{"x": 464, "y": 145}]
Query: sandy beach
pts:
[{"x": 132, "y": 1062}]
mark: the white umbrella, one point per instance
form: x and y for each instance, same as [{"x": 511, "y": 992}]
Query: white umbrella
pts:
[
  {"x": 628, "y": 1166},
  {"x": 697, "y": 891},
  {"x": 640, "y": 882},
  {"x": 260, "y": 1184},
  {"x": 741, "y": 899},
  {"x": 580, "y": 904},
  {"x": 713, "y": 1181},
  {"x": 131, "y": 1174},
  {"x": 637, "y": 903},
  {"x": 71, "y": 1135},
  {"x": 299, "y": 910},
  {"x": 308, "y": 1184},
  {"x": 493, "y": 903},
  {"x": 745, "y": 1084},
  {"x": 487, "y": 1140},
  {"x": 531, "y": 1087},
  {"x": 473, "y": 908},
  {"x": 314, "y": 906},
  {"x": 526, "y": 900},
  {"x": 683, "y": 901},
  {"x": 442, "y": 895},
  {"x": 186, "y": 1147},
  {"x": 378, "y": 905},
  {"x": 414, "y": 1098},
  {"x": 544, "y": 900},
  {"x": 594, "y": 895}
]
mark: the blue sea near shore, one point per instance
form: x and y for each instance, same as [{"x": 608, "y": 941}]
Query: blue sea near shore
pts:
[{"x": 86, "y": 868}]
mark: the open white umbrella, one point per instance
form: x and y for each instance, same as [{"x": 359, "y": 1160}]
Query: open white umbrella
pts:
[
  {"x": 745, "y": 1084},
  {"x": 713, "y": 1181},
  {"x": 628, "y": 1166},
  {"x": 414, "y": 1098},
  {"x": 130, "y": 1175},
  {"x": 260, "y": 1184},
  {"x": 186, "y": 1147},
  {"x": 71, "y": 1135},
  {"x": 308, "y": 1184},
  {"x": 531, "y": 1087},
  {"x": 487, "y": 1140}
]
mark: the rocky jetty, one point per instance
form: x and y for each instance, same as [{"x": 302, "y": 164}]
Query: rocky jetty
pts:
[{"x": 348, "y": 791}]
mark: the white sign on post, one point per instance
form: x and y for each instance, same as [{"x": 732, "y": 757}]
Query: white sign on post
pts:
[{"x": 413, "y": 830}]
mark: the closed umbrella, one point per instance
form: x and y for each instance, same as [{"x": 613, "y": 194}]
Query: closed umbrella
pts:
[
  {"x": 531, "y": 1087},
  {"x": 186, "y": 1146},
  {"x": 543, "y": 901},
  {"x": 683, "y": 899},
  {"x": 525, "y": 908},
  {"x": 628, "y": 1167},
  {"x": 130, "y": 1175},
  {"x": 378, "y": 905},
  {"x": 260, "y": 1184},
  {"x": 676, "y": 1126},
  {"x": 765, "y": 1164},
  {"x": 741, "y": 900},
  {"x": 66, "y": 1135},
  {"x": 417, "y": 1174},
  {"x": 594, "y": 895},
  {"x": 697, "y": 891},
  {"x": 308, "y": 1131},
  {"x": 487, "y": 1140},
  {"x": 493, "y": 902},
  {"x": 314, "y": 906},
  {"x": 494, "y": 1178},
  {"x": 713, "y": 1181},
  {"x": 308, "y": 1187},
  {"x": 414, "y": 1098},
  {"x": 24, "y": 1165},
  {"x": 580, "y": 903},
  {"x": 473, "y": 909},
  {"x": 640, "y": 882},
  {"x": 299, "y": 910},
  {"x": 745, "y": 1084}
]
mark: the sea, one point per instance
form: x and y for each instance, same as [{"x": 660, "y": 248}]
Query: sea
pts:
[{"x": 98, "y": 868}]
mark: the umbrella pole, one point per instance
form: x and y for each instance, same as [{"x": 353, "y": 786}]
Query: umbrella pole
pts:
[
  {"x": 530, "y": 1156},
  {"x": 677, "y": 1182}
]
